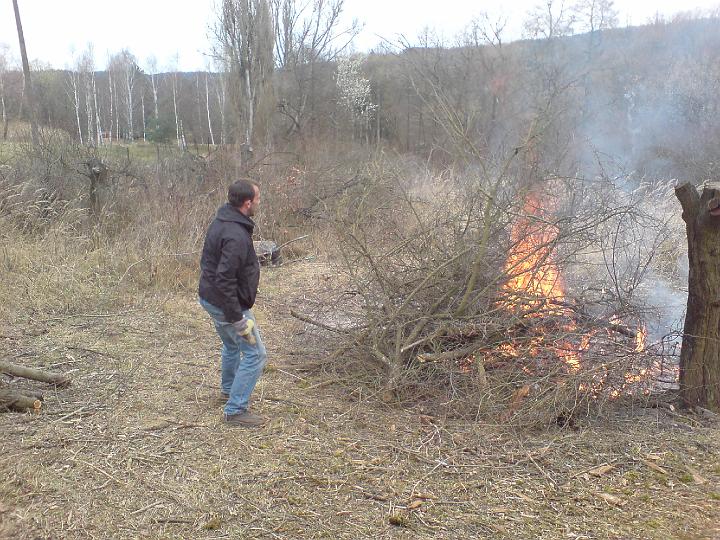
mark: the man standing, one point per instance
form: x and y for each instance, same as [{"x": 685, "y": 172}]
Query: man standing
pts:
[{"x": 230, "y": 273}]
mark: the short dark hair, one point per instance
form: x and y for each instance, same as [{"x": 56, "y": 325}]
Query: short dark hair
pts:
[{"x": 240, "y": 191}]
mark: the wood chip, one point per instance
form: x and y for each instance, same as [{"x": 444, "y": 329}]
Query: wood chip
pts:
[
  {"x": 602, "y": 469},
  {"x": 695, "y": 475},
  {"x": 155, "y": 425},
  {"x": 655, "y": 467},
  {"x": 611, "y": 499}
]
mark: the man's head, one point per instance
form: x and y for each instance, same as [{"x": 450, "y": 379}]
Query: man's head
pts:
[{"x": 245, "y": 196}]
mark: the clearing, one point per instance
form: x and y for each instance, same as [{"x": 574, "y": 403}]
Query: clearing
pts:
[{"x": 136, "y": 447}]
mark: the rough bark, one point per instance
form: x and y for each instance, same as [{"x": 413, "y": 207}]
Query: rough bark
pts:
[{"x": 700, "y": 355}]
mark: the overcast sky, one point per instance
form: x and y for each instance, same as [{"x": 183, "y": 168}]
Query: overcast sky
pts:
[{"x": 55, "y": 30}]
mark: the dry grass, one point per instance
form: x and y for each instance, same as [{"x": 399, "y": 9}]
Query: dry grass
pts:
[{"x": 136, "y": 447}]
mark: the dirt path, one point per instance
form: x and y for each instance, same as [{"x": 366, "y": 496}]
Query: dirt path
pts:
[{"x": 136, "y": 448}]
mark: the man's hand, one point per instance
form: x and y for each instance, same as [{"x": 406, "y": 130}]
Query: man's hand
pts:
[
  {"x": 244, "y": 328},
  {"x": 240, "y": 326}
]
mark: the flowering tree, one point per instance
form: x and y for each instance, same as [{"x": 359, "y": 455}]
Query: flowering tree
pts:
[{"x": 355, "y": 94}]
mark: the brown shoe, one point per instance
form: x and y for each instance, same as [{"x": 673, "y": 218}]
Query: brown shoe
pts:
[{"x": 244, "y": 419}]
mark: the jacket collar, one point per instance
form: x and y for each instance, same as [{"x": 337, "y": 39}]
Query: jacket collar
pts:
[{"x": 229, "y": 213}]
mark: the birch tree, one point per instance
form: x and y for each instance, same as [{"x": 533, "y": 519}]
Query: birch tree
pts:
[
  {"x": 4, "y": 52},
  {"x": 207, "y": 107},
  {"x": 74, "y": 83},
  {"x": 244, "y": 36},
  {"x": 152, "y": 72}
]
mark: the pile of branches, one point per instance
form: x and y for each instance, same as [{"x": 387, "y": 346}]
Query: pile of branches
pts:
[{"x": 428, "y": 308}]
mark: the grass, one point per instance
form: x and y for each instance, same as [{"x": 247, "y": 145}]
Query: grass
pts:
[{"x": 136, "y": 447}]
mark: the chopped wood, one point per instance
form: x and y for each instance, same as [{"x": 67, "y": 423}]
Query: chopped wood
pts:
[
  {"x": 602, "y": 469},
  {"x": 10, "y": 400},
  {"x": 58, "y": 379}
]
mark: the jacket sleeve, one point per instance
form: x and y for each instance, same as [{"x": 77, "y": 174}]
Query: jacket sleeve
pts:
[{"x": 233, "y": 253}]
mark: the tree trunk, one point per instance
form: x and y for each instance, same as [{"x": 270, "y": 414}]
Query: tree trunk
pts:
[
  {"x": 28, "y": 89},
  {"x": 700, "y": 354}
]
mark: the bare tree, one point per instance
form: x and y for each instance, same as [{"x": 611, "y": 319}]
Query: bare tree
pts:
[
  {"x": 244, "y": 38},
  {"x": 307, "y": 33},
  {"x": 152, "y": 70},
  {"x": 207, "y": 107},
  {"x": 548, "y": 20},
  {"x": 3, "y": 69},
  {"x": 594, "y": 15},
  {"x": 73, "y": 90},
  {"x": 28, "y": 87}
]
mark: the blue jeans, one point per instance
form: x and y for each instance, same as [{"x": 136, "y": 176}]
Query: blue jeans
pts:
[{"x": 242, "y": 363}]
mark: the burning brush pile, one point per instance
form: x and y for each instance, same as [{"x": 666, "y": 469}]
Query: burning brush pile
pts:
[
  {"x": 553, "y": 333},
  {"x": 474, "y": 301}
]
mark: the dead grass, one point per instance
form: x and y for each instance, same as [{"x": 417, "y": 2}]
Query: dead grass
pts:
[{"x": 136, "y": 447}]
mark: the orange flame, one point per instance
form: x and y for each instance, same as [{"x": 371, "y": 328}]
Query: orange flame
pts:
[
  {"x": 534, "y": 276},
  {"x": 640, "y": 338}
]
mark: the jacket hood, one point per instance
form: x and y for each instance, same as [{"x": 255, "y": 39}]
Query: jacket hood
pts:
[{"x": 229, "y": 213}]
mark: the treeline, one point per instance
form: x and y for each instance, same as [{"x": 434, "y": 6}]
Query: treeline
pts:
[{"x": 643, "y": 99}]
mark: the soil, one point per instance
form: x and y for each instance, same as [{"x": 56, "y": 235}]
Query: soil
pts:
[{"x": 137, "y": 446}]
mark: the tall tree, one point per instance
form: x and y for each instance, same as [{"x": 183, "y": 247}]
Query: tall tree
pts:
[
  {"x": 244, "y": 36},
  {"x": 4, "y": 51},
  {"x": 152, "y": 70},
  {"x": 308, "y": 33},
  {"x": 74, "y": 85},
  {"x": 28, "y": 88}
]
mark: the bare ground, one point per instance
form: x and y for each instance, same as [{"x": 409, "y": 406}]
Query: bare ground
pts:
[{"x": 136, "y": 447}]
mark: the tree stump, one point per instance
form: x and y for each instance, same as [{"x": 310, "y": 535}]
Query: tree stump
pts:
[{"x": 700, "y": 353}]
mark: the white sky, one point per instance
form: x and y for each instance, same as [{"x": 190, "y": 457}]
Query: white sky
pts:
[{"x": 176, "y": 28}]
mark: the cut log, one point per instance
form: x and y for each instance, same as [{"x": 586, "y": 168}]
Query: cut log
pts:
[
  {"x": 35, "y": 374},
  {"x": 700, "y": 353},
  {"x": 14, "y": 401}
]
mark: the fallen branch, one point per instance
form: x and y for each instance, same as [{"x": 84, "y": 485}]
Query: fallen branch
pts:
[
  {"x": 58, "y": 379},
  {"x": 309, "y": 320},
  {"x": 293, "y": 240}
]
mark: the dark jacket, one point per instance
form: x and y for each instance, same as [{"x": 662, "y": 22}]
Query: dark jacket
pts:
[{"x": 230, "y": 271}]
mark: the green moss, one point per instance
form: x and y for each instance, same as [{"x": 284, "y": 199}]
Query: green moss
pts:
[{"x": 686, "y": 478}]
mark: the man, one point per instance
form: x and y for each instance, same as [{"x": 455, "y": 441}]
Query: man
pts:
[{"x": 230, "y": 273}]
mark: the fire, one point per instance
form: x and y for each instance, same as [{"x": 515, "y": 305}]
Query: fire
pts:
[
  {"x": 534, "y": 277},
  {"x": 640, "y": 338},
  {"x": 534, "y": 289}
]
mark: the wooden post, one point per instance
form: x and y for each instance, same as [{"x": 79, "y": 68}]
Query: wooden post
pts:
[{"x": 700, "y": 354}]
